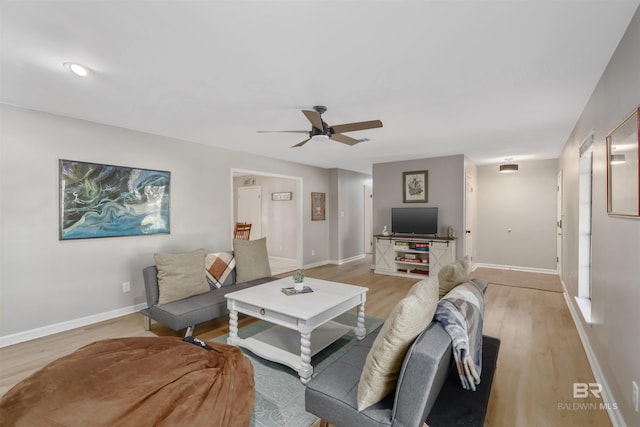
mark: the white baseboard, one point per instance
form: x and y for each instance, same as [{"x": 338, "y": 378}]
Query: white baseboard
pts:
[
  {"x": 353, "y": 258},
  {"x": 316, "y": 264},
  {"x": 614, "y": 415},
  {"x": 67, "y": 325},
  {"x": 514, "y": 268},
  {"x": 335, "y": 262}
]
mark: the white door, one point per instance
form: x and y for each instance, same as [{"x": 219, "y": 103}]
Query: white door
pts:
[
  {"x": 250, "y": 209},
  {"x": 468, "y": 216},
  {"x": 559, "y": 225}
]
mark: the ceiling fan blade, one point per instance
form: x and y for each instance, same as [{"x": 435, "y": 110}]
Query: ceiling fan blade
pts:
[
  {"x": 350, "y": 127},
  {"x": 314, "y": 118},
  {"x": 283, "y": 131},
  {"x": 300, "y": 144},
  {"x": 344, "y": 139}
]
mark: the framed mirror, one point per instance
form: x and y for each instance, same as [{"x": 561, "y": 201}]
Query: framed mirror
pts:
[{"x": 623, "y": 178}]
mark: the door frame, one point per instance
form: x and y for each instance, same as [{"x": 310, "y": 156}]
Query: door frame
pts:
[
  {"x": 296, "y": 200},
  {"x": 559, "y": 224},
  {"x": 469, "y": 215}
]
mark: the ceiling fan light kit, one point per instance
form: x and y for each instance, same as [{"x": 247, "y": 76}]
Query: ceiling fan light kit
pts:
[
  {"x": 321, "y": 131},
  {"x": 320, "y": 138}
]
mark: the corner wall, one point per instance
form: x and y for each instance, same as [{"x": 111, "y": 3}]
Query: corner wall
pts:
[
  {"x": 612, "y": 341},
  {"x": 347, "y": 215}
]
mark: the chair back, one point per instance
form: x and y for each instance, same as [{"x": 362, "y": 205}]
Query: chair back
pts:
[{"x": 242, "y": 231}]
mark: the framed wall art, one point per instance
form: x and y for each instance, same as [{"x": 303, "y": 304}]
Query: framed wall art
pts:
[
  {"x": 318, "y": 206},
  {"x": 98, "y": 200},
  {"x": 414, "y": 187},
  {"x": 623, "y": 177}
]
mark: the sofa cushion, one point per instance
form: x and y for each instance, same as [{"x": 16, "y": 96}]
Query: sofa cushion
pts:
[
  {"x": 219, "y": 268},
  {"x": 426, "y": 290},
  {"x": 406, "y": 321},
  {"x": 252, "y": 259},
  {"x": 180, "y": 275},
  {"x": 452, "y": 275}
]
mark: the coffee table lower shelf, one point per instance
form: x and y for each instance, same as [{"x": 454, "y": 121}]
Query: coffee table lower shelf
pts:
[{"x": 283, "y": 345}]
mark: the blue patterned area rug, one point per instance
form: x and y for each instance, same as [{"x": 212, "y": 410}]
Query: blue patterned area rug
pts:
[{"x": 279, "y": 392}]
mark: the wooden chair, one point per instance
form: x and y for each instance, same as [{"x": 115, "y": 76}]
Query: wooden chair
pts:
[{"x": 242, "y": 231}]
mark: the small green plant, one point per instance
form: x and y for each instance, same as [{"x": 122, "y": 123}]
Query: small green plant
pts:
[{"x": 298, "y": 276}]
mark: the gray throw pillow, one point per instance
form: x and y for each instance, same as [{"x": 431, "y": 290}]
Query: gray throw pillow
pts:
[
  {"x": 452, "y": 275},
  {"x": 252, "y": 259},
  {"x": 180, "y": 275}
]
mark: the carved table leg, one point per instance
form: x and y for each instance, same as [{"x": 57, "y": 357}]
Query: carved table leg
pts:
[
  {"x": 233, "y": 327},
  {"x": 360, "y": 330},
  {"x": 306, "y": 370}
]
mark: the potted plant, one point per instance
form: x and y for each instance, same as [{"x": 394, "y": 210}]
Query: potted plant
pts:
[{"x": 298, "y": 279}]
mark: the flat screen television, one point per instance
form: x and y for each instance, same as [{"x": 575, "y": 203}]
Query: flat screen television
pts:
[{"x": 414, "y": 220}]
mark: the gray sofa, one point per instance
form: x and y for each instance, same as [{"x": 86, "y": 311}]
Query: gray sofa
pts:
[
  {"x": 332, "y": 394},
  {"x": 188, "y": 312}
]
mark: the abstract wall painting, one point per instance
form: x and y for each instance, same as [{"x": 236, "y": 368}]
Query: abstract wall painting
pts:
[{"x": 98, "y": 200}]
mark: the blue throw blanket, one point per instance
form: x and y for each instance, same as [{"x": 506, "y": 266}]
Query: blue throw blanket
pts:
[{"x": 461, "y": 313}]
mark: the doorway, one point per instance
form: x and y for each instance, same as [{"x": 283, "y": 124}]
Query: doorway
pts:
[
  {"x": 559, "y": 224},
  {"x": 250, "y": 209},
  {"x": 272, "y": 204},
  {"x": 469, "y": 213},
  {"x": 368, "y": 219}
]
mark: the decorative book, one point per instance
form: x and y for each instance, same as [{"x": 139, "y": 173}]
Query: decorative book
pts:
[{"x": 292, "y": 291}]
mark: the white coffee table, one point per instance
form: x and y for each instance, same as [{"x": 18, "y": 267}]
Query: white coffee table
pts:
[{"x": 302, "y": 323}]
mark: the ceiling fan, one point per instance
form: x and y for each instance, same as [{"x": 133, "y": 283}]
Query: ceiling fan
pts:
[{"x": 320, "y": 129}]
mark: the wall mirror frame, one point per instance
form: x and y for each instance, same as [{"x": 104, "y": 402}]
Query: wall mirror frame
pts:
[{"x": 623, "y": 173}]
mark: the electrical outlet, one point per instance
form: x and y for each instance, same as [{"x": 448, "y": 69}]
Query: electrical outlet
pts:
[
  {"x": 636, "y": 396},
  {"x": 313, "y": 252},
  {"x": 126, "y": 287}
]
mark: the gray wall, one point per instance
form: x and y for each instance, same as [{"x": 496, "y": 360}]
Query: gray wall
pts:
[
  {"x": 445, "y": 191},
  {"x": 347, "y": 231},
  {"x": 613, "y": 338},
  {"x": 524, "y": 202},
  {"x": 44, "y": 281}
]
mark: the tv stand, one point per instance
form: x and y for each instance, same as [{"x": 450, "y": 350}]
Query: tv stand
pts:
[{"x": 412, "y": 255}]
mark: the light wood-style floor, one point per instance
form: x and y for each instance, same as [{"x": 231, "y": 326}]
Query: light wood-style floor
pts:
[{"x": 540, "y": 357}]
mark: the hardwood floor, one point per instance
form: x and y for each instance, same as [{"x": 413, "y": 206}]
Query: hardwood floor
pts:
[{"x": 540, "y": 357}]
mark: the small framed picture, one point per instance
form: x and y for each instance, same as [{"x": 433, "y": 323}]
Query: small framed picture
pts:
[
  {"x": 282, "y": 196},
  {"x": 414, "y": 187},
  {"x": 318, "y": 205}
]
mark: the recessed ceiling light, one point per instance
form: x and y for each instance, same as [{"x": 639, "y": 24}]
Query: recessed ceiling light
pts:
[{"x": 77, "y": 69}]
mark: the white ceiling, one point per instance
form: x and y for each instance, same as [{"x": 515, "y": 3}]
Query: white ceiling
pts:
[{"x": 489, "y": 79}]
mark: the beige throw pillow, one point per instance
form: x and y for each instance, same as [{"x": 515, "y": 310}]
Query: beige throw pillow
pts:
[
  {"x": 180, "y": 275},
  {"x": 252, "y": 259},
  {"x": 384, "y": 361},
  {"x": 452, "y": 275}
]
